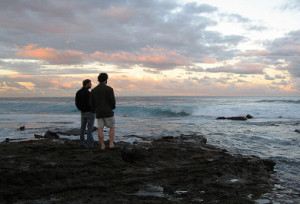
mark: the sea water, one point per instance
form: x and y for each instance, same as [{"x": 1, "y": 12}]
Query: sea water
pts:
[{"x": 270, "y": 134}]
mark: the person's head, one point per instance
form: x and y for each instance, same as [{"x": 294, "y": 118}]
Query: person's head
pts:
[
  {"x": 87, "y": 83},
  {"x": 102, "y": 78}
]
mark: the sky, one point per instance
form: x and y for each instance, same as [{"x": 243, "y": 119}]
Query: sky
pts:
[{"x": 150, "y": 47}]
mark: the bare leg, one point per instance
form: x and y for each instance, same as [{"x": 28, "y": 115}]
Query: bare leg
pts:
[
  {"x": 101, "y": 138},
  {"x": 111, "y": 137}
]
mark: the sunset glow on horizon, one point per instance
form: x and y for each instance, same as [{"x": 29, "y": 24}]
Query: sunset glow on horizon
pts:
[{"x": 151, "y": 48}]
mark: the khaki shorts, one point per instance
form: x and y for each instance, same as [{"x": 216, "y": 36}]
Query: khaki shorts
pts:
[{"x": 108, "y": 122}]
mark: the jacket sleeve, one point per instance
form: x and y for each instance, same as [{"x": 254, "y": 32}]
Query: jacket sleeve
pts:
[
  {"x": 111, "y": 98},
  {"x": 92, "y": 101},
  {"x": 77, "y": 101}
]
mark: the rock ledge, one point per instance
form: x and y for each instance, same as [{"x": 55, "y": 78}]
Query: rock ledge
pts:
[{"x": 181, "y": 169}]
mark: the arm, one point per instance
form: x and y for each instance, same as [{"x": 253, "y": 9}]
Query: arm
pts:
[
  {"x": 92, "y": 101},
  {"x": 77, "y": 101},
  {"x": 111, "y": 98}
]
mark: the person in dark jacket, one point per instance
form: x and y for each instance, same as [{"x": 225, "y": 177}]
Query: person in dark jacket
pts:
[
  {"x": 103, "y": 101},
  {"x": 82, "y": 102}
]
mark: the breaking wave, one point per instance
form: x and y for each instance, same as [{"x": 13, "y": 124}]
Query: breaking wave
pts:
[
  {"x": 280, "y": 101},
  {"x": 153, "y": 111}
]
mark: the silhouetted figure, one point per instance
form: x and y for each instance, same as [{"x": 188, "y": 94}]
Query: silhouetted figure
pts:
[
  {"x": 103, "y": 102},
  {"x": 82, "y": 101}
]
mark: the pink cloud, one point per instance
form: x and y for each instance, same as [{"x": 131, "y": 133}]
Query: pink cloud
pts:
[
  {"x": 209, "y": 60},
  {"x": 51, "y": 55},
  {"x": 152, "y": 57},
  {"x": 254, "y": 69}
]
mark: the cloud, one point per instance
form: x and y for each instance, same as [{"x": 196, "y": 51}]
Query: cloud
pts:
[
  {"x": 46, "y": 82},
  {"x": 291, "y": 5},
  {"x": 194, "y": 86},
  {"x": 51, "y": 55},
  {"x": 147, "y": 57},
  {"x": 287, "y": 48},
  {"x": 257, "y": 53},
  {"x": 235, "y": 18},
  {"x": 23, "y": 66},
  {"x": 282, "y": 82},
  {"x": 267, "y": 77},
  {"x": 257, "y": 27},
  {"x": 194, "y": 8},
  {"x": 64, "y": 31},
  {"x": 43, "y": 39},
  {"x": 27, "y": 85},
  {"x": 279, "y": 76},
  {"x": 238, "y": 68},
  {"x": 282, "y": 53}
]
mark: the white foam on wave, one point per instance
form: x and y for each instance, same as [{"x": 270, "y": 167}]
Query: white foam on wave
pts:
[{"x": 257, "y": 111}]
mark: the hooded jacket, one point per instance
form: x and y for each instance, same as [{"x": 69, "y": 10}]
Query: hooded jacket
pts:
[{"x": 102, "y": 101}]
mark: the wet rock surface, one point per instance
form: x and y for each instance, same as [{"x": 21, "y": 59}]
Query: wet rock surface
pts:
[
  {"x": 51, "y": 135},
  {"x": 165, "y": 170}
]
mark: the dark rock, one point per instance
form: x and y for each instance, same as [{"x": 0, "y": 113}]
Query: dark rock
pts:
[
  {"x": 179, "y": 169},
  {"x": 297, "y": 131},
  {"x": 50, "y": 135},
  {"x": 269, "y": 164},
  {"x": 232, "y": 118},
  {"x": 22, "y": 128},
  {"x": 237, "y": 118},
  {"x": 167, "y": 137},
  {"x": 38, "y": 136},
  {"x": 72, "y": 132},
  {"x": 249, "y": 116},
  {"x": 69, "y": 132},
  {"x": 133, "y": 155}
]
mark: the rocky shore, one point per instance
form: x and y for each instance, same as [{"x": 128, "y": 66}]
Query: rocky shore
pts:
[{"x": 181, "y": 169}]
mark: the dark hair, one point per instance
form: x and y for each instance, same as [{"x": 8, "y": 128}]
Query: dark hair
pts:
[
  {"x": 102, "y": 77},
  {"x": 85, "y": 82}
]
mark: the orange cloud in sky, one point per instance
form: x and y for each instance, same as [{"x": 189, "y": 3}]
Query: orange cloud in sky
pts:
[
  {"x": 148, "y": 55},
  {"x": 27, "y": 85},
  {"x": 13, "y": 76},
  {"x": 51, "y": 55},
  {"x": 58, "y": 84},
  {"x": 288, "y": 88}
]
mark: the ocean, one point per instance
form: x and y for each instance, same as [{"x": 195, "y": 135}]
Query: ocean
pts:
[{"x": 270, "y": 134}]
